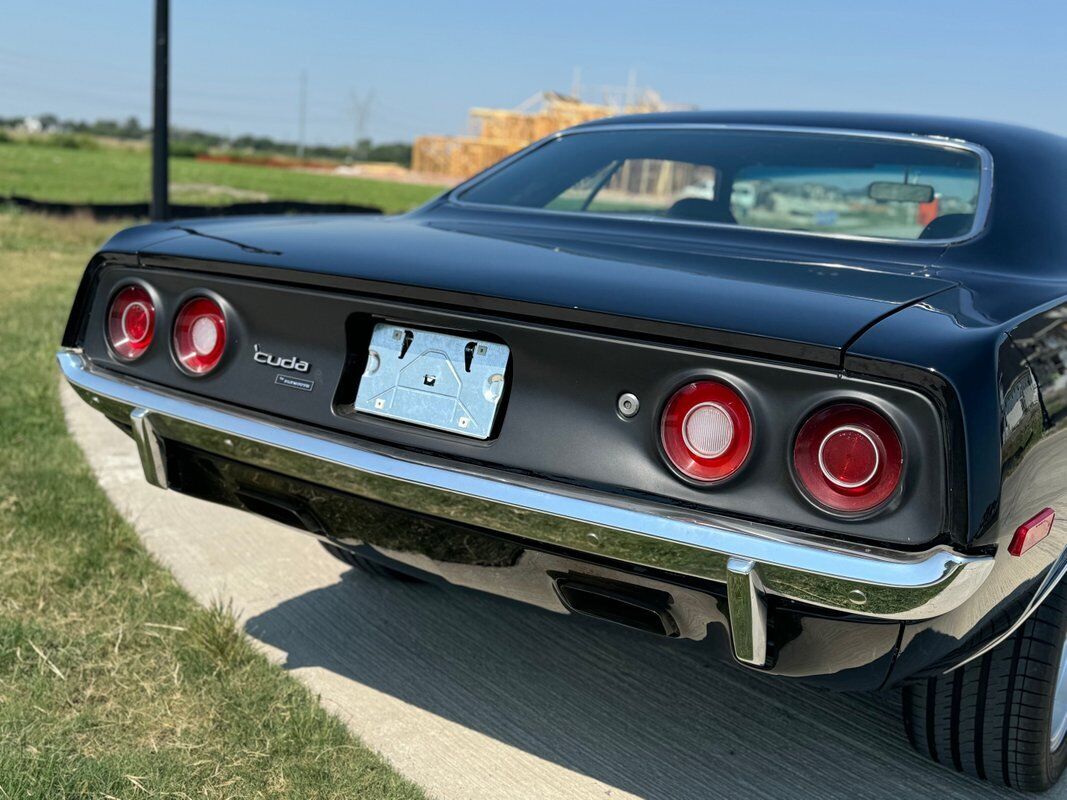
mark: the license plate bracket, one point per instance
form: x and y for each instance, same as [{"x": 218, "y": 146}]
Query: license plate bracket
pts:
[{"x": 436, "y": 380}]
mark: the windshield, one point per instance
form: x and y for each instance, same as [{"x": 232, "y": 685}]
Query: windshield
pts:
[{"x": 812, "y": 182}]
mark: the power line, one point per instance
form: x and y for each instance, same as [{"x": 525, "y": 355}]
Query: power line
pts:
[
  {"x": 103, "y": 95},
  {"x": 132, "y": 93},
  {"x": 53, "y": 60},
  {"x": 122, "y": 98}
]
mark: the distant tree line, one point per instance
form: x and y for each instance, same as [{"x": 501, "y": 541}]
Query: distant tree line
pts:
[{"x": 186, "y": 142}]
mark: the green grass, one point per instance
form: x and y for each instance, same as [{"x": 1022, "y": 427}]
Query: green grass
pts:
[
  {"x": 121, "y": 175},
  {"x": 113, "y": 682}
]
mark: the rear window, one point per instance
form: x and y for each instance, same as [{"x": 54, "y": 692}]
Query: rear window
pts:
[{"x": 844, "y": 184}]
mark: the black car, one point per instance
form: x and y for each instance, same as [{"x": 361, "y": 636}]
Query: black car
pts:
[{"x": 790, "y": 384}]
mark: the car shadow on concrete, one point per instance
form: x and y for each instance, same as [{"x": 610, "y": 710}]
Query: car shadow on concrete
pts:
[{"x": 656, "y": 718}]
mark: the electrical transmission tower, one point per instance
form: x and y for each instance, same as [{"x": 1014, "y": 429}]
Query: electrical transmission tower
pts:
[{"x": 360, "y": 108}]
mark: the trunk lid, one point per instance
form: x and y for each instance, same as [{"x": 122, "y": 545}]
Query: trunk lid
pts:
[{"x": 740, "y": 299}]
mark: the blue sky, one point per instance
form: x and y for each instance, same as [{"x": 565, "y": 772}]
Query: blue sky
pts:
[{"x": 236, "y": 63}]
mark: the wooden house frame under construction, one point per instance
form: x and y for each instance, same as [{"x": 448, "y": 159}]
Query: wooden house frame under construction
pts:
[{"x": 496, "y": 133}]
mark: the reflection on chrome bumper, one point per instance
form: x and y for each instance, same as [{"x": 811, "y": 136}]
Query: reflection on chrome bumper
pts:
[{"x": 753, "y": 561}]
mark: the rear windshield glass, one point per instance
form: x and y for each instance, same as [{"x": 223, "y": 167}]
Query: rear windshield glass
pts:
[{"x": 813, "y": 182}]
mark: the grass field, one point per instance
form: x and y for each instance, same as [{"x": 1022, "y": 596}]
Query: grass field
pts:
[
  {"x": 113, "y": 682},
  {"x": 113, "y": 175}
]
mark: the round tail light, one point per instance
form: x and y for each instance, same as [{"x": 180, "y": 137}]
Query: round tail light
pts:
[
  {"x": 200, "y": 335},
  {"x": 848, "y": 458},
  {"x": 707, "y": 431},
  {"x": 131, "y": 322}
]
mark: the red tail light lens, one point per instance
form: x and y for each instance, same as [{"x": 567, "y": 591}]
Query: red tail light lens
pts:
[
  {"x": 200, "y": 335},
  {"x": 131, "y": 322},
  {"x": 849, "y": 458},
  {"x": 707, "y": 431}
]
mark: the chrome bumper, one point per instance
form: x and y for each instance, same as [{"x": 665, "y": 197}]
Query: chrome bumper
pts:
[{"x": 753, "y": 561}]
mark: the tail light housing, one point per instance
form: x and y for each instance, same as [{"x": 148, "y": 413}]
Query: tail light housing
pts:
[
  {"x": 200, "y": 335},
  {"x": 848, "y": 458},
  {"x": 707, "y": 431},
  {"x": 131, "y": 322}
]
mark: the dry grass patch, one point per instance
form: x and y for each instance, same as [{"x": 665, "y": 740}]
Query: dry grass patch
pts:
[{"x": 113, "y": 682}]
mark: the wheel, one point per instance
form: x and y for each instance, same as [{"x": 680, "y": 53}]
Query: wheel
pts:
[
  {"x": 366, "y": 564},
  {"x": 1002, "y": 717}
]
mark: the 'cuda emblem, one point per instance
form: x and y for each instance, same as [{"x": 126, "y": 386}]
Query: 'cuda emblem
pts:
[{"x": 293, "y": 363}]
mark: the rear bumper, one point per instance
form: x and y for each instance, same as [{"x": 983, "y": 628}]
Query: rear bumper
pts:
[{"x": 753, "y": 562}]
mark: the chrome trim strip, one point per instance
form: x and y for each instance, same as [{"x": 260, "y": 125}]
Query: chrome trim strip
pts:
[
  {"x": 1051, "y": 580},
  {"x": 837, "y": 481},
  {"x": 149, "y": 447},
  {"x": 981, "y": 212},
  {"x": 748, "y": 612},
  {"x": 864, "y": 580}
]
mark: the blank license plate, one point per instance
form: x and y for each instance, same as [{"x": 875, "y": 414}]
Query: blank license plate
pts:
[{"x": 452, "y": 383}]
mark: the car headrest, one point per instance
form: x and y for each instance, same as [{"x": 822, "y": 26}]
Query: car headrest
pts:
[
  {"x": 701, "y": 210},
  {"x": 948, "y": 226}
]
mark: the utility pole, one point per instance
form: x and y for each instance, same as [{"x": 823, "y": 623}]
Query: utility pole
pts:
[
  {"x": 360, "y": 114},
  {"x": 160, "y": 113},
  {"x": 576, "y": 83},
  {"x": 302, "y": 127},
  {"x": 631, "y": 90}
]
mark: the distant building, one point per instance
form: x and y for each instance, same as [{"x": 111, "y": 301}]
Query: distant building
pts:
[
  {"x": 498, "y": 132},
  {"x": 31, "y": 125}
]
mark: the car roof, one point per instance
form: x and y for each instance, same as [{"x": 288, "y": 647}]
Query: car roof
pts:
[{"x": 972, "y": 130}]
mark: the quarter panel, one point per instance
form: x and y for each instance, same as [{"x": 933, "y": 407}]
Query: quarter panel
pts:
[
  {"x": 959, "y": 349},
  {"x": 1031, "y": 471}
]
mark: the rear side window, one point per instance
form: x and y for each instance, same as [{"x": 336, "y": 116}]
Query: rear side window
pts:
[{"x": 836, "y": 184}]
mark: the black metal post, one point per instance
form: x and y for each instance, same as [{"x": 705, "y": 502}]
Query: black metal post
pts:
[{"x": 160, "y": 113}]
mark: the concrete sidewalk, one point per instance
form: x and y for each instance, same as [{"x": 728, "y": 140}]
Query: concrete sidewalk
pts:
[{"x": 472, "y": 696}]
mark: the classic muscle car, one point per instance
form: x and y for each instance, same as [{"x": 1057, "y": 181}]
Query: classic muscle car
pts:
[{"x": 817, "y": 426}]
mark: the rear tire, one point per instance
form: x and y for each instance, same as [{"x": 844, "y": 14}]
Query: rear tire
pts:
[
  {"x": 366, "y": 564},
  {"x": 994, "y": 718}
]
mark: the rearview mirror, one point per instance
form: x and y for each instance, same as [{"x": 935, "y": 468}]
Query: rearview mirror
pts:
[{"x": 900, "y": 192}]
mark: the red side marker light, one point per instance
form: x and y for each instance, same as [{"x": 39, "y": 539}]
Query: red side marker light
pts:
[{"x": 1032, "y": 532}]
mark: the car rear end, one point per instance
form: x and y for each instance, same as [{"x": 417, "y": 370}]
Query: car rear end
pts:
[
  {"x": 647, "y": 481},
  {"x": 769, "y": 425}
]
